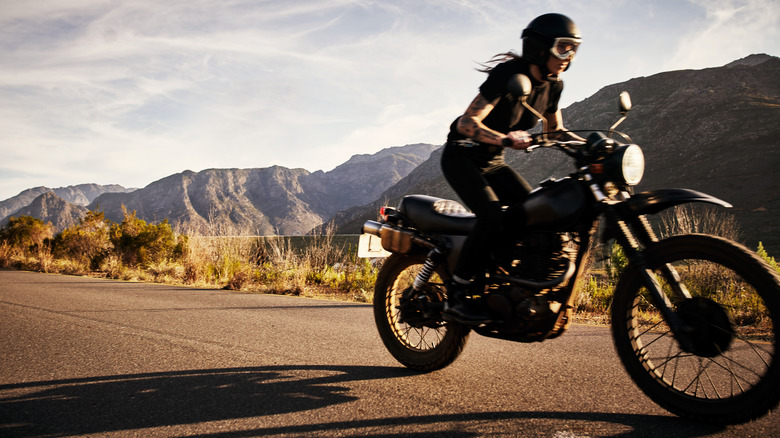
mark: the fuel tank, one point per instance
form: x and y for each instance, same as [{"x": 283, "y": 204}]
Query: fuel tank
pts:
[{"x": 556, "y": 205}]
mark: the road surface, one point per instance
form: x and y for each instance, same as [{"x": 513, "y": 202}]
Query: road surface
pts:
[{"x": 82, "y": 356}]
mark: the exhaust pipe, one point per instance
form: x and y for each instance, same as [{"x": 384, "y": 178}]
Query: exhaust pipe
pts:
[{"x": 372, "y": 227}]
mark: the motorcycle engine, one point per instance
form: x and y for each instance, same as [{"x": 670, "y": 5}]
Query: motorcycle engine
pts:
[{"x": 539, "y": 257}]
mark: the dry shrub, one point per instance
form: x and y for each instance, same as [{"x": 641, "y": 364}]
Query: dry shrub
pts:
[
  {"x": 112, "y": 267},
  {"x": 238, "y": 279},
  {"x": 699, "y": 218},
  {"x": 142, "y": 244},
  {"x": 70, "y": 266},
  {"x": 26, "y": 232},
  {"x": 42, "y": 260},
  {"x": 6, "y": 254},
  {"x": 25, "y": 244},
  {"x": 86, "y": 243},
  {"x": 167, "y": 271},
  {"x": 224, "y": 260}
]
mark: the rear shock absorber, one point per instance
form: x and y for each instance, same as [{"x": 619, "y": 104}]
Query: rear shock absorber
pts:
[{"x": 433, "y": 259}]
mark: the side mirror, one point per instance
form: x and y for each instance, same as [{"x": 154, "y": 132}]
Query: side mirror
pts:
[
  {"x": 625, "y": 102},
  {"x": 625, "y": 107},
  {"x": 519, "y": 85}
]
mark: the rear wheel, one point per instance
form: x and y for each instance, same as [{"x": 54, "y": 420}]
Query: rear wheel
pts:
[
  {"x": 731, "y": 373},
  {"x": 410, "y": 324}
]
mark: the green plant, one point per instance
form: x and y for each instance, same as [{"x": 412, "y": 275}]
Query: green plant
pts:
[
  {"x": 26, "y": 233},
  {"x": 769, "y": 260},
  {"x": 596, "y": 294},
  {"x": 617, "y": 262},
  {"x": 141, "y": 244},
  {"x": 88, "y": 242}
]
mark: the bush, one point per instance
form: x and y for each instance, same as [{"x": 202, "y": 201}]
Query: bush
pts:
[
  {"x": 26, "y": 233},
  {"x": 140, "y": 244},
  {"x": 6, "y": 254},
  {"x": 86, "y": 242}
]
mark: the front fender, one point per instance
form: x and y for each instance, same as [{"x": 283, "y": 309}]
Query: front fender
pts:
[{"x": 654, "y": 201}]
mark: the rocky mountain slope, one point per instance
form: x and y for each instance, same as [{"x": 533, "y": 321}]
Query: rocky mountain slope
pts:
[
  {"x": 274, "y": 200},
  {"x": 51, "y": 208},
  {"x": 715, "y": 130},
  {"x": 81, "y": 194}
]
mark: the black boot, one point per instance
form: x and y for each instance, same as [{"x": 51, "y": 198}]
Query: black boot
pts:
[{"x": 460, "y": 308}]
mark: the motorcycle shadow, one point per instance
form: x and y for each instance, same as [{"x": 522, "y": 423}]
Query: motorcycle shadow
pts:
[{"x": 103, "y": 404}]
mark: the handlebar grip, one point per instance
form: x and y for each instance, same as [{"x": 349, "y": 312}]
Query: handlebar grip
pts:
[{"x": 537, "y": 140}]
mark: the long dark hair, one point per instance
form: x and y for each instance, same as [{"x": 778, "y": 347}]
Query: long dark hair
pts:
[{"x": 486, "y": 67}]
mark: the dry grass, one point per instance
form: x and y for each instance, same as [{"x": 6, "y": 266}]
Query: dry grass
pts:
[
  {"x": 701, "y": 218},
  {"x": 320, "y": 266},
  {"x": 704, "y": 279},
  {"x": 314, "y": 266}
]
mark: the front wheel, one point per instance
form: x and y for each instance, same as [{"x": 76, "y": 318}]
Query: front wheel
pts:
[
  {"x": 732, "y": 374},
  {"x": 410, "y": 324}
]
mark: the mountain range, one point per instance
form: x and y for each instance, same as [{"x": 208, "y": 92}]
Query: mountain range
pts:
[
  {"x": 713, "y": 130},
  {"x": 262, "y": 201}
]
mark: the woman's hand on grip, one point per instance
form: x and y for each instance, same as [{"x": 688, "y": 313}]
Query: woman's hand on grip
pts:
[{"x": 517, "y": 140}]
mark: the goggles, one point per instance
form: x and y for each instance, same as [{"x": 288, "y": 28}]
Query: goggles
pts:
[{"x": 565, "y": 48}]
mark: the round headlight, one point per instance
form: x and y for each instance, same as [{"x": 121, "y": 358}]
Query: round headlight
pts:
[{"x": 633, "y": 165}]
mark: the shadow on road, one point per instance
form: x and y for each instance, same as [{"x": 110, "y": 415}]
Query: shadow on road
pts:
[{"x": 126, "y": 402}]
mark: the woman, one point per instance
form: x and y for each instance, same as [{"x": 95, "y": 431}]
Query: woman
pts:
[{"x": 473, "y": 159}]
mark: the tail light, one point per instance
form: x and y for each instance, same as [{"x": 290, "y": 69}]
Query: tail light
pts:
[{"x": 386, "y": 212}]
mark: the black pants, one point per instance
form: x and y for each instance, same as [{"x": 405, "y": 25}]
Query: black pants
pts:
[{"x": 484, "y": 183}]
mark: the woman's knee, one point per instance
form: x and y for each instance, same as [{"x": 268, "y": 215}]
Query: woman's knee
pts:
[{"x": 490, "y": 216}]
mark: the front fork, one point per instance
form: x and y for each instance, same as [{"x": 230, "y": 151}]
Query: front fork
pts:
[{"x": 632, "y": 236}]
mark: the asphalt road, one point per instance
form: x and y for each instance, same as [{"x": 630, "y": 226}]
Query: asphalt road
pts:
[{"x": 81, "y": 356}]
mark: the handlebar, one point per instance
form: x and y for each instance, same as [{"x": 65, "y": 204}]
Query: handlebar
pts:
[{"x": 538, "y": 142}]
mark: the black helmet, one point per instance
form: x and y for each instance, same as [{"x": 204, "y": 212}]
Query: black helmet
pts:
[{"x": 544, "y": 33}]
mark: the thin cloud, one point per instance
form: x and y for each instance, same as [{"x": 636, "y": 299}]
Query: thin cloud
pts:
[
  {"x": 145, "y": 89},
  {"x": 731, "y": 29}
]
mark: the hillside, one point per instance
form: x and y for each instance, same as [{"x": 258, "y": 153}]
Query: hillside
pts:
[
  {"x": 713, "y": 130},
  {"x": 51, "y": 208}
]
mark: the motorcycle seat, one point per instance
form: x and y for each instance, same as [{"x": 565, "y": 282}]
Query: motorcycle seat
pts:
[{"x": 430, "y": 214}]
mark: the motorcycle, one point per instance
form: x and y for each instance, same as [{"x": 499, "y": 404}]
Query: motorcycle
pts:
[{"x": 693, "y": 317}]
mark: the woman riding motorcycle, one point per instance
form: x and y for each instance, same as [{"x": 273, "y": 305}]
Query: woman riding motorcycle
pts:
[{"x": 473, "y": 158}]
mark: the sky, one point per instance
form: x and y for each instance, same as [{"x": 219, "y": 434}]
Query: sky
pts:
[{"x": 129, "y": 92}]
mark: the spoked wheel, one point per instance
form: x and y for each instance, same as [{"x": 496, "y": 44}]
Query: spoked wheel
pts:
[
  {"x": 730, "y": 373},
  {"x": 409, "y": 323}
]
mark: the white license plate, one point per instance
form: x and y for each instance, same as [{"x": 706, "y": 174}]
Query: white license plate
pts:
[{"x": 370, "y": 246}]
